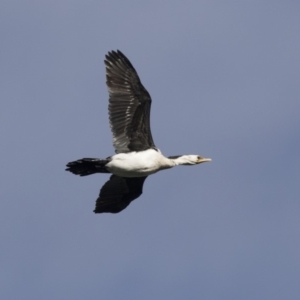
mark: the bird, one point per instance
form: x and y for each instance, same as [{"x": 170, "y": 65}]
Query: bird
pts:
[{"x": 136, "y": 154}]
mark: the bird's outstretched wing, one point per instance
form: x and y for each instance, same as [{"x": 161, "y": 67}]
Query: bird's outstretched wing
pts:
[
  {"x": 117, "y": 193},
  {"x": 129, "y": 105}
]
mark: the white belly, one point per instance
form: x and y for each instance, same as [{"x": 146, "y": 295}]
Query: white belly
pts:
[{"x": 137, "y": 164}]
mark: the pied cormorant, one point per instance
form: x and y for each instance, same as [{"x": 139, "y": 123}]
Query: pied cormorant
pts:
[{"x": 137, "y": 156}]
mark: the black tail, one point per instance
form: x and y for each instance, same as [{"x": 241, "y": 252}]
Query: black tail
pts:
[{"x": 88, "y": 166}]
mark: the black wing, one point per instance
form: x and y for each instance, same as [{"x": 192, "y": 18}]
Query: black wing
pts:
[
  {"x": 117, "y": 193},
  {"x": 129, "y": 105}
]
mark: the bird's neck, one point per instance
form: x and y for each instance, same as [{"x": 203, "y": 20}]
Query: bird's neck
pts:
[
  {"x": 170, "y": 162},
  {"x": 167, "y": 163},
  {"x": 175, "y": 161}
]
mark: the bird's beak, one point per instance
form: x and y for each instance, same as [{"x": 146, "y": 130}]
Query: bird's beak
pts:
[{"x": 202, "y": 159}]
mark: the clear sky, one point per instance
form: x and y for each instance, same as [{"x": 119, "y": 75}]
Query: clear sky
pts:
[{"x": 224, "y": 80}]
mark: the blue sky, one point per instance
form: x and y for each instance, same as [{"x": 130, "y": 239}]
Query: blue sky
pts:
[{"x": 224, "y": 80}]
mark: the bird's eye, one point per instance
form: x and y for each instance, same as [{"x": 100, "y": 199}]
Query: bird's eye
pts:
[{"x": 198, "y": 157}]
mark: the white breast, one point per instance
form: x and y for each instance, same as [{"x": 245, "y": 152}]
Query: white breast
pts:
[{"x": 137, "y": 164}]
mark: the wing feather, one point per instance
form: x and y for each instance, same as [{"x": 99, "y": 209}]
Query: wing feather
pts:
[
  {"x": 129, "y": 105},
  {"x": 117, "y": 193}
]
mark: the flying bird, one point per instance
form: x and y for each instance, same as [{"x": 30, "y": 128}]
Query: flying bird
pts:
[{"x": 136, "y": 154}]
